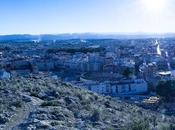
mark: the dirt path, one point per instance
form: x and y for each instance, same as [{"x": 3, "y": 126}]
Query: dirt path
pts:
[
  {"x": 19, "y": 117},
  {"x": 22, "y": 115}
]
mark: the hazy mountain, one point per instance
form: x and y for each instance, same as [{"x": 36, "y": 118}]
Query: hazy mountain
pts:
[{"x": 46, "y": 37}]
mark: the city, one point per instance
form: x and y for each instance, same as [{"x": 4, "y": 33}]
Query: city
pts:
[
  {"x": 126, "y": 69},
  {"x": 87, "y": 65}
]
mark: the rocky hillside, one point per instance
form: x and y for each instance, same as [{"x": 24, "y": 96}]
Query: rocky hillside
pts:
[{"x": 42, "y": 103}]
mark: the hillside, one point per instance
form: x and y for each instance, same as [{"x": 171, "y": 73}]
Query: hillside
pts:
[{"x": 39, "y": 103}]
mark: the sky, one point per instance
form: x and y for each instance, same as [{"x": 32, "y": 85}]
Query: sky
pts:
[{"x": 81, "y": 16}]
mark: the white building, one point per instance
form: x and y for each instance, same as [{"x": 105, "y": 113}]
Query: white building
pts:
[
  {"x": 125, "y": 87},
  {"x": 138, "y": 86}
]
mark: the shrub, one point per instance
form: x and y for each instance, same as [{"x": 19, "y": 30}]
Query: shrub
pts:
[
  {"x": 139, "y": 125},
  {"x": 50, "y": 103},
  {"x": 3, "y": 119},
  {"x": 96, "y": 116},
  {"x": 54, "y": 123},
  {"x": 17, "y": 104}
]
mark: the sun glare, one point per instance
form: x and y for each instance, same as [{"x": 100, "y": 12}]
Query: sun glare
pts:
[{"x": 154, "y": 6}]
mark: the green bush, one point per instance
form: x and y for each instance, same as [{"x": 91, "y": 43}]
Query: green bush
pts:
[
  {"x": 17, "y": 104},
  {"x": 139, "y": 125},
  {"x": 96, "y": 116},
  {"x": 50, "y": 103}
]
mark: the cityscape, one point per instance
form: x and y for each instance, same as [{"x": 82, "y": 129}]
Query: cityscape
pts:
[{"x": 89, "y": 65}]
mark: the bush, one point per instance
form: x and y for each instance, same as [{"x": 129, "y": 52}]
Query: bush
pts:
[
  {"x": 3, "y": 119},
  {"x": 139, "y": 125},
  {"x": 50, "y": 103},
  {"x": 54, "y": 123},
  {"x": 96, "y": 116},
  {"x": 17, "y": 104}
]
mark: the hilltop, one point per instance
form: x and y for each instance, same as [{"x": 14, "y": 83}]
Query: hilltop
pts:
[{"x": 39, "y": 102}]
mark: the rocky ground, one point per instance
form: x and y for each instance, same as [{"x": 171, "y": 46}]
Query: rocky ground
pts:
[{"x": 42, "y": 103}]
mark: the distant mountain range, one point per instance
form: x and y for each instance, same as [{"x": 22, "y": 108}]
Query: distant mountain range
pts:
[{"x": 48, "y": 37}]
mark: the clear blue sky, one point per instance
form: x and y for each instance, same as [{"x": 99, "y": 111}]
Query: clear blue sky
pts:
[{"x": 69, "y": 16}]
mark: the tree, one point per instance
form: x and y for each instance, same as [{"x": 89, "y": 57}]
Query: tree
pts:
[
  {"x": 127, "y": 72},
  {"x": 166, "y": 89}
]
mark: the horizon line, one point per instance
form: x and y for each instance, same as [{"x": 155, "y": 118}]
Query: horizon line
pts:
[{"x": 98, "y": 33}]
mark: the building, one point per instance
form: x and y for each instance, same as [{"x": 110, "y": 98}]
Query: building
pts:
[
  {"x": 124, "y": 87},
  {"x": 137, "y": 86}
]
